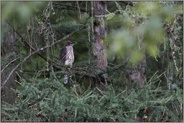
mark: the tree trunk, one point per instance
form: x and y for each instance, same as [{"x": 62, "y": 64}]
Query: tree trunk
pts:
[
  {"x": 8, "y": 55},
  {"x": 99, "y": 33},
  {"x": 98, "y": 47}
]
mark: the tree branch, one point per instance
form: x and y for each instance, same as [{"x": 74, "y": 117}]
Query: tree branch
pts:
[
  {"x": 26, "y": 43},
  {"x": 68, "y": 6},
  {"x": 39, "y": 50},
  {"x": 29, "y": 46},
  {"x": 8, "y": 64}
]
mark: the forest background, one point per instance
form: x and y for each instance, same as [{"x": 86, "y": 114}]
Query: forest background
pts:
[{"x": 128, "y": 61}]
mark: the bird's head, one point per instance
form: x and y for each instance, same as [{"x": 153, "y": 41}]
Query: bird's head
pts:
[{"x": 69, "y": 43}]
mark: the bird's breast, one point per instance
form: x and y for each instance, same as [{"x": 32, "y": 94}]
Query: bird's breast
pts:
[{"x": 69, "y": 55}]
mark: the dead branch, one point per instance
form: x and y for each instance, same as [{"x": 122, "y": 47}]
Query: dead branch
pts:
[
  {"x": 32, "y": 48},
  {"x": 64, "y": 6},
  {"x": 24, "y": 41},
  {"x": 9, "y": 64},
  {"x": 40, "y": 50}
]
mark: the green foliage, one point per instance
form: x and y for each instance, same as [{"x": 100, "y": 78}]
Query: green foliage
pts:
[
  {"x": 19, "y": 10},
  {"x": 138, "y": 28},
  {"x": 49, "y": 100},
  {"x": 151, "y": 28}
]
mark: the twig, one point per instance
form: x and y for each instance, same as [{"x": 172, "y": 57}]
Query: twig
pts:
[
  {"x": 39, "y": 50},
  {"x": 78, "y": 7},
  {"x": 114, "y": 69},
  {"x": 26, "y": 43},
  {"x": 68, "y": 6},
  {"x": 8, "y": 64},
  {"x": 34, "y": 102},
  {"x": 29, "y": 46}
]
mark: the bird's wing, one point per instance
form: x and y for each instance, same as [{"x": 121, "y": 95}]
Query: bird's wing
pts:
[{"x": 63, "y": 55}]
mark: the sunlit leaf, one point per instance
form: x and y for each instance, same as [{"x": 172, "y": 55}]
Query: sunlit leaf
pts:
[
  {"x": 110, "y": 16},
  {"x": 136, "y": 57}
]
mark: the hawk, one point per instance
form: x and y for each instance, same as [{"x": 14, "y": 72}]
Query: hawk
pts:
[{"x": 67, "y": 57}]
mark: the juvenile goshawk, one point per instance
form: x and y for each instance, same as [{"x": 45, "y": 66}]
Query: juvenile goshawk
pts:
[{"x": 67, "y": 57}]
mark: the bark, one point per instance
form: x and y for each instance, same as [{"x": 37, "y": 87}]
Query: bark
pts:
[
  {"x": 99, "y": 33},
  {"x": 9, "y": 61},
  {"x": 98, "y": 47}
]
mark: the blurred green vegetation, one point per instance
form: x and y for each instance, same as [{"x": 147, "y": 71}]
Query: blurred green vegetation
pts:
[
  {"x": 139, "y": 30},
  {"x": 146, "y": 30},
  {"x": 19, "y": 11}
]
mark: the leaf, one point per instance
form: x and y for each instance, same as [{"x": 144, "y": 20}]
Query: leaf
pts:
[
  {"x": 136, "y": 57},
  {"x": 109, "y": 16},
  {"x": 119, "y": 7}
]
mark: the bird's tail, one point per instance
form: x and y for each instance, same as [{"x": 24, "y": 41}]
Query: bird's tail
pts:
[{"x": 65, "y": 79}]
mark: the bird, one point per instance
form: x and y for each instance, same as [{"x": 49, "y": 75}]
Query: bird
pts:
[{"x": 67, "y": 57}]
